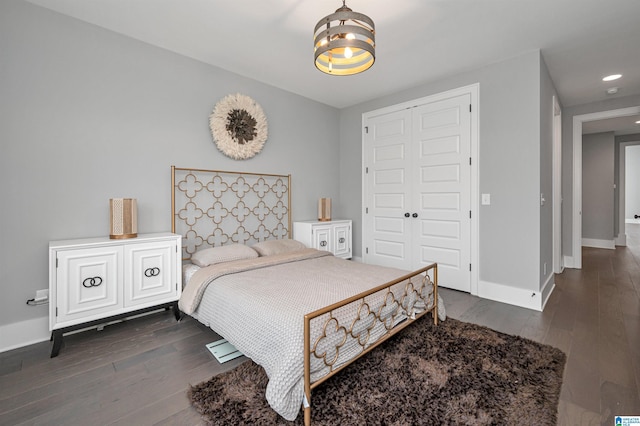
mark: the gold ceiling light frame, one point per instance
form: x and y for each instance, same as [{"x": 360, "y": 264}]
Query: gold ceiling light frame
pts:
[{"x": 344, "y": 42}]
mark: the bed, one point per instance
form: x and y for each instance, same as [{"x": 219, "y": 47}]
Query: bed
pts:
[{"x": 300, "y": 313}]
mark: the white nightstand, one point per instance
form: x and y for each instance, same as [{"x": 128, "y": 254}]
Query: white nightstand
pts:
[
  {"x": 96, "y": 280},
  {"x": 333, "y": 236}
]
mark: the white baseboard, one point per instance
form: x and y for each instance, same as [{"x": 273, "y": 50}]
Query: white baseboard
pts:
[
  {"x": 547, "y": 289},
  {"x": 513, "y": 296},
  {"x": 568, "y": 262},
  {"x": 23, "y": 333},
  {"x": 621, "y": 240},
  {"x": 595, "y": 243},
  {"x": 632, "y": 221}
]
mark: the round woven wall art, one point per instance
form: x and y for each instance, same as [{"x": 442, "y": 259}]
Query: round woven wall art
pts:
[{"x": 238, "y": 126}]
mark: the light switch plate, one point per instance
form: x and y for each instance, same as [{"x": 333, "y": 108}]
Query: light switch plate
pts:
[{"x": 486, "y": 199}]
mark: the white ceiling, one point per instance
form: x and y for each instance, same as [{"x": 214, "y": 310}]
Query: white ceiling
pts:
[
  {"x": 619, "y": 125},
  {"x": 418, "y": 41}
]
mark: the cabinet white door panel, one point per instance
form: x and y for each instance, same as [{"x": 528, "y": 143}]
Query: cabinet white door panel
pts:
[
  {"x": 92, "y": 284},
  {"x": 149, "y": 271},
  {"x": 322, "y": 238},
  {"x": 342, "y": 240}
]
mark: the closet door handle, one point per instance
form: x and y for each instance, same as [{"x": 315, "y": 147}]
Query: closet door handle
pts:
[
  {"x": 407, "y": 214},
  {"x": 415, "y": 215}
]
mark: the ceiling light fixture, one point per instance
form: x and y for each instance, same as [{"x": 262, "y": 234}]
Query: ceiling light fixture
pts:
[
  {"x": 638, "y": 122},
  {"x": 344, "y": 42},
  {"x": 612, "y": 77},
  {"x": 612, "y": 91}
]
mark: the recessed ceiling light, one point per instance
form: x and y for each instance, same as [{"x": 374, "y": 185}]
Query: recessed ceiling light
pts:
[
  {"x": 638, "y": 122},
  {"x": 612, "y": 90},
  {"x": 612, "y": 77}
]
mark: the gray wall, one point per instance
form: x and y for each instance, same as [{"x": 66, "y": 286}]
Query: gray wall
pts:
[
  {"x": 597, "y": 182},
  {"x": 568, "y": 113},
  {"x": 632, "y": 181},
  {"x": 509, "y": 163},
  {"x": 87, "y": 115}
]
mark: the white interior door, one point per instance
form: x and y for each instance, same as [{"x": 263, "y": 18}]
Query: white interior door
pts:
[
  {"x": 442, "y": 191},
  {"x": 388, "y": 190},
  {"x": 418, "y": 189}
]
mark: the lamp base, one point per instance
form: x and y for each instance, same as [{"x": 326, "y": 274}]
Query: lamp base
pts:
[
  {"x": 122, "y": 236},
  {"x": 324, "y": 209},
  {"x": 123, "y": 218}
]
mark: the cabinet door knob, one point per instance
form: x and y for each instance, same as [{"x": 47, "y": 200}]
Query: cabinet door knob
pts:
[
  {"x": 323, "y": 243},
  {"x": 407, "y": 214},
  {"x": 91, "y": 282},
  {"x": 341, "y": 240},
  {"x": 415, "y": 215},
  {"x": 152, "y": 272}
]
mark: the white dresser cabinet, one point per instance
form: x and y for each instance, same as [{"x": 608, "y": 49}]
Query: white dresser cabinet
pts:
[
  {"x": 96, "y": 280},
  {"x": 333, "y": 236}
]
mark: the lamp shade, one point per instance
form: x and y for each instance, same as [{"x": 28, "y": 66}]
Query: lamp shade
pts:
[
  {"x": 344, "y": 42},
  {"x": 123, "y": 218},
  {"x": 324, "y": 209}
]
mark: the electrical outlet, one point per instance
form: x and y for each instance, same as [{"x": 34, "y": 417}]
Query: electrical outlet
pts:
[{"x": 42, "y": 295}]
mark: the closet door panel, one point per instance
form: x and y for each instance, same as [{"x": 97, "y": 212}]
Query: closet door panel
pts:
[
  {"x": 442, "y": 193},
  {"x": 388, "y": 195}
]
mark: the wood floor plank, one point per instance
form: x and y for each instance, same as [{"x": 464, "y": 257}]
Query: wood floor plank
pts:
[
  {"x": 39, "y": 399},
  {"x": 617, "y": 400},
  {"x": 79, "y": 357},
  {"x": 571, "y": 415},
  {"x": 158, "y": 411}
]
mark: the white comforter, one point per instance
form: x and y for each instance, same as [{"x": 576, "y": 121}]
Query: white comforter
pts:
[{"x": 260, "y": 311}]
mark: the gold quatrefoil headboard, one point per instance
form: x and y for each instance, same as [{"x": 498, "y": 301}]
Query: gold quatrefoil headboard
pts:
[{"x": 211, "y": 208}]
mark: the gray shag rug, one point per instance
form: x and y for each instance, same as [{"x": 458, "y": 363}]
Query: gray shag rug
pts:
[{"x": 453, "y": 374}]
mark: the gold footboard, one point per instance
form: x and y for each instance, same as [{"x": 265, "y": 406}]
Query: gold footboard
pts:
[{"x": 411, "y": 296}]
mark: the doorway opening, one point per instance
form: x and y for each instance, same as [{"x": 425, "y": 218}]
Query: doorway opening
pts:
[{"x": 578, "y": 120}]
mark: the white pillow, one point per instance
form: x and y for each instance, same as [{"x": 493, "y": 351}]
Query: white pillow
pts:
[
  {"x": 271, "y": 247},
  {"x": 213, "y": 255}
]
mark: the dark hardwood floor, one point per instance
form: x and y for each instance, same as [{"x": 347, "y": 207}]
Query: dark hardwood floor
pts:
[{"x": 137, "y": 372}]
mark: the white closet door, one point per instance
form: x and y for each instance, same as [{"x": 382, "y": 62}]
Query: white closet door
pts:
[
  {"x": 418, "y": 189},
  {"x": 441, "y": 190},
  {"x": 387, "y": 237}
]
